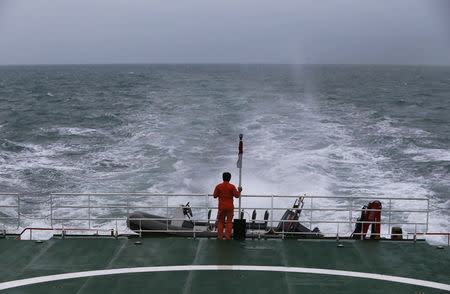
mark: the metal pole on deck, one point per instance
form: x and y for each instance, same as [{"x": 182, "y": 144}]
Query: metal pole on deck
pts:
[{"x": 239, "y": 165}]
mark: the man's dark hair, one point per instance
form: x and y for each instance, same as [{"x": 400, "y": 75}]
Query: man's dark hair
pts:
[{"x": 226, "y": 176}]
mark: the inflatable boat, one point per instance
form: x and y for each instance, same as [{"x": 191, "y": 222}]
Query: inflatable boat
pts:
[{"x": 182, "y": 224}]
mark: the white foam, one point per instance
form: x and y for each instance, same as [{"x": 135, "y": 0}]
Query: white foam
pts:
[
  {"x": 428, "y": 154},
  {"x": 386, "y": 127},
  {"x": 291, "y": 146},
  {"x": 65, "y": 131},
  {"x": 36, "y": 156}
]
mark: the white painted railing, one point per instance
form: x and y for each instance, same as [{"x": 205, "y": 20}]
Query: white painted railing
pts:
[
  {"x": 9, "y": 210},
  {"x": 335, "y": 215}
]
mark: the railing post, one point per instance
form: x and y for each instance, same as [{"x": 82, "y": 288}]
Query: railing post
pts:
[
  {"x": 18, "y": 210},
  {"x": 89, "y": 210},
  {"x": 207, "y": 210},
  {"x": 428, "y": 214},
  {"x": 167, "y": 212},
  {"x": 51, "y": 210},
  {"x": 337, "y": 232},
  {"x": 311, "y": 214},
  {"x": 350, "y": 213},
  {"x": 362, "y": 230},
  {"x": 194, "y": 228},
  {"x": 128, "y": 205},
  {"x": 117, "y": 231},
  {"x": 271, "y": 211},
  {"x": 389, "y": 220},
  {"x": 415, "y": 233}
]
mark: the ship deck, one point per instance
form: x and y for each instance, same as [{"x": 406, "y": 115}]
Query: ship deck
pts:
[{"x": 187, "y": 265}]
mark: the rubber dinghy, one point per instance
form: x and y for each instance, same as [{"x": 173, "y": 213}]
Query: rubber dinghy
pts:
[{"x": 181, "y": 224}]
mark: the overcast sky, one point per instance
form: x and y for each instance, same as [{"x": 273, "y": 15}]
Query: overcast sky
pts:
[{"x": 225, "y": 31}]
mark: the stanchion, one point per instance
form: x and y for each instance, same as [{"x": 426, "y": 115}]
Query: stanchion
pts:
[{"x": 239, "y": 225}]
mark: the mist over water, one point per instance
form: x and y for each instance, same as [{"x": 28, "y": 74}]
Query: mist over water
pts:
[{"x": 319, "y": 130}]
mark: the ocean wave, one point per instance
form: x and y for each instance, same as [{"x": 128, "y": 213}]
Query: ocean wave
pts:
[
  {"x": 110, "y": 117},
  {"x": 110, "y": 164},
  {"x": 75, "y": 131},
  {"x": 170, "y": 134},
  {"x": 428, "y": 154},
  {"x": 11, "y": 146},
  {"x": 387, "y": 127}
]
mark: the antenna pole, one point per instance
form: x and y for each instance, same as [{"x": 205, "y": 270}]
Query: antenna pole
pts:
[{"x": 239, "y": 165}]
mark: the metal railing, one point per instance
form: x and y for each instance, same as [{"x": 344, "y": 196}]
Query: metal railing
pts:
[
  {"x": 63, "y": 231},
  {"x": 9, "y": 209},
  {"x": 335, "y": 215}
]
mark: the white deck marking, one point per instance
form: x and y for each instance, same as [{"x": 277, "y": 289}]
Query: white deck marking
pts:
[{"x": 305, "y": 270}]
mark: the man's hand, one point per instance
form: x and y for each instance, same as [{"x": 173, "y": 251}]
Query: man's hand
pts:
[{"x": 240, "y": 189}]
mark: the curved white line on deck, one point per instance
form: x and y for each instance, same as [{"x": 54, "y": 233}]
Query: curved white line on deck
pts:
[{"x": 304, "y": 270}]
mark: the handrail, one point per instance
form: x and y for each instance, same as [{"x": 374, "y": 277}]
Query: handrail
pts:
[
  {"x": 315, "y": 215},
  {"x": 14, "y": 197},
  {"x": 256, "y": 208},
  {"x": 243, "y": 195},
  {"x": 63, "y": 230},
  {"x": 68, "y": 208}
]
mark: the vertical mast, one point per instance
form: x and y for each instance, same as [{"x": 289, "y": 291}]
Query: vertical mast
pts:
[{"x": 239, "y": 166}]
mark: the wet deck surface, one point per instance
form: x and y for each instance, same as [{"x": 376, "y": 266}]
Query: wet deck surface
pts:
[{"x": 26, "y": 259}]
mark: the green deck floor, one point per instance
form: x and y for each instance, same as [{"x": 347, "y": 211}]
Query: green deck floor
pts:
[{"x": 26, "y": 259}]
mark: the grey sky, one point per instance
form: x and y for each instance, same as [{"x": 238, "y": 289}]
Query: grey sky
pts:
[{"x": 232, "y": 31}]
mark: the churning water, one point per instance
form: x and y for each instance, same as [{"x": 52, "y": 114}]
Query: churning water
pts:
[{"x": 319, "y": 130}]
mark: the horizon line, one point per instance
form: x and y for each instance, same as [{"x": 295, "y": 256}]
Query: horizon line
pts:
[{"x": 224, "y": 63}]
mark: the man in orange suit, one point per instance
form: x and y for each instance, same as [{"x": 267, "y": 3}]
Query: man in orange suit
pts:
[{"x": 225, "y": 191}]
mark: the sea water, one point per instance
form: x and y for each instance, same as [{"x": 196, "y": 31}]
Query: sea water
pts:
[{"x": 315, "y": 130}]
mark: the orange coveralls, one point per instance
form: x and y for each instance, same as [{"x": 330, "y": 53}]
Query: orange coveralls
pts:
[{"x": 225, "y": 191}]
